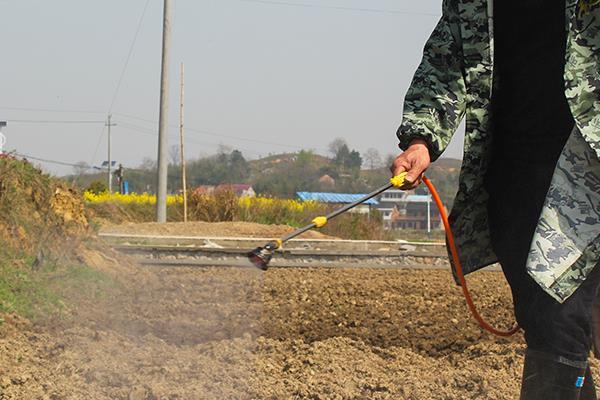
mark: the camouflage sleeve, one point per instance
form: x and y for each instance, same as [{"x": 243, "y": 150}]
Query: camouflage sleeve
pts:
[
  {"x": 435, "y": 102},
  {"x": 582, "y": 74}
]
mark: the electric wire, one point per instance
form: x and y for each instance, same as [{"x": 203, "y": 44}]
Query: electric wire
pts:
[
  {"x": 120, "y": 81},
  {"x": 154, "y": 133},
  {"x": 45, "y": 160},
  {"x": 129, "y": 54},
  {"x": 342, "y": 8},
  {"x": 220, "y": 135},
  {"x": 64, "y": 163},
  {"x": 53, "y": 110},
  {"x": 40, "y": 121}
]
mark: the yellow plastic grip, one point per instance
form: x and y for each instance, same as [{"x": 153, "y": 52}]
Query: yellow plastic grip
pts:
[
  {"x": 398, "y": 180},
  {"x": 279, "y": 243},
  {"x": 320, "y": 222}
]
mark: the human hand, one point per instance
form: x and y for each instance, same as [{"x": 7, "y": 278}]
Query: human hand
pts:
[{"x": 415, "y": 160}]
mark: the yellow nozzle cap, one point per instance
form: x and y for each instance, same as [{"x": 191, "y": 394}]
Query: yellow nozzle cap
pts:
[
  {"x": 398, "y": 180},
  {"x": 274, "y": 244},
  {"x": 320, "y": 222}
]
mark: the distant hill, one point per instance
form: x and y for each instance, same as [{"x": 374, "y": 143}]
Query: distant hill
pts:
[{"x": 272, "y": 161}]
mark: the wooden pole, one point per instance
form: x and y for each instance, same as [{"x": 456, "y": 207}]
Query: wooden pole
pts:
[{"x": 181, "y": 141}]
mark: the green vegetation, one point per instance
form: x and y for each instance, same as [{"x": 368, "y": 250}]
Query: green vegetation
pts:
[
  {"x": 41, "y": 223},
  {"x": 40, "y": 293},
  {"x": 97, "y": 187},
  {"x": 283, "y": 175},
  {"x": 225, "y": 206},
  {"x": 21, "y": 293}
]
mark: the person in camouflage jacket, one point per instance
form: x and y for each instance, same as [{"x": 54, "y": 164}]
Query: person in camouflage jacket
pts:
[{"x": 455, "y": 81}]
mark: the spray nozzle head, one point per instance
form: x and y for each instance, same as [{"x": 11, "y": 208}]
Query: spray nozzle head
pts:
[{"x": 261, "y": 256}]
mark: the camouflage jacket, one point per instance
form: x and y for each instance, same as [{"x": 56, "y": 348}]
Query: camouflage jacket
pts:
[{"x": 454, "y": 81}]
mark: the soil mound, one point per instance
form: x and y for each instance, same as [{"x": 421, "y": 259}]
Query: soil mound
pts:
[{"x": 36, "y": 209}]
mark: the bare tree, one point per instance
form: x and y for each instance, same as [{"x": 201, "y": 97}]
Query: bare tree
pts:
[
  {"x": 148, "y": 164},
  {"x": 174, "y": 155},
  {"x": 224, "y": 149},
  {"x": 373, "y": 158},
  {"x": 336, "y": 144}
]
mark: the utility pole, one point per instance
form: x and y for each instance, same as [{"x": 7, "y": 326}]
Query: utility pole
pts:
[
  {"x": 181, "y": 152},
  {"x": 161, "y": 187},
  {"x": 109, "y": 124}
]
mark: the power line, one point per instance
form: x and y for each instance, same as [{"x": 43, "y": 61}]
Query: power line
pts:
[
  {"x": 135, "y": 36},
  {"x": 139, "y": 129},
  {"x": 56, "y": 121},
  {"x": 98, "y": 144},
  {"x": 51, "y": 110},
  {"x": 86, "y": 167},
  {"x": 220, "y": 135},
  {"x": 27, "y": 156},
  {"x": 135, "y": 117},
  {"x": 153, "y": 133},
  {"x": 129, "y": 126},
  {"x": 342, "y": 8},
  {"x": 83, "y": 166},
  {"x": 130, "y": 52}
]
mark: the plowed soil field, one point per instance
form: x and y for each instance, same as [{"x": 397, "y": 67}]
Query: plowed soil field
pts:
[
  {"x": 226, "y": 333},
  {"x": 217, "y": 229}
]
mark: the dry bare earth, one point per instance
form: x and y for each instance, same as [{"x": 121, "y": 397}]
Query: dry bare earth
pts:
[
  {"x": 208, "y": 229},
  {"x": 226, "y": 333}
]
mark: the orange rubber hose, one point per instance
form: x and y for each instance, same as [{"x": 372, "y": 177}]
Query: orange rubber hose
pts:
[{"x": 458, "y": 266}]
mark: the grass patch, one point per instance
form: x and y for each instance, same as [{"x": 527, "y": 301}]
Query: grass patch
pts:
[
  {"x": 40, "y": 215},
  {"x": 33, "y": 294},
  {"x": 20, "y": 293}
]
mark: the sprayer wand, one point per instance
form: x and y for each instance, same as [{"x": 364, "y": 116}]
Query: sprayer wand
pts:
[{"x": 261, "y": 256}]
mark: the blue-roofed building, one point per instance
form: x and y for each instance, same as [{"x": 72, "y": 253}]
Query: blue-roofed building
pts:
[{"x": 339, "y": 199}]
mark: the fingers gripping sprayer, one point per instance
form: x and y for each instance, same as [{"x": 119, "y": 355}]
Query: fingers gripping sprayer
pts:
[{"x": 261, "y": 256}]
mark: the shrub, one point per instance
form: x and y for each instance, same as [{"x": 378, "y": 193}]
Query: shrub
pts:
[
  {"x": 214, "y": 207},
  {"x": 97, "y": 187},
  {"x": 224, "y": 205}
]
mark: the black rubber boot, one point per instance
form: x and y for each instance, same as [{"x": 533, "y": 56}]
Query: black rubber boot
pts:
[
  {"x": 549, "y": 377},
  {"x": 588, "y": 391}
]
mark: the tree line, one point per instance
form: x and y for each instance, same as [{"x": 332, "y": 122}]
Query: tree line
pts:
[{"x": 346, "y": 170}]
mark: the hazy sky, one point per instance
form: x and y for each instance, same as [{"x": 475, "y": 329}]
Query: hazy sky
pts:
[{"x": 261, "y": 76}]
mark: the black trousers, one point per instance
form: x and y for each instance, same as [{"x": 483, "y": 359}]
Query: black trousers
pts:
[{"x": 517, "y": 192}]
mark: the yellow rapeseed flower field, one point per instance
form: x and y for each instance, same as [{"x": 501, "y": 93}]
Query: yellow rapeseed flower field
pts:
[
  {"x": 268, "y": 202},
  {"x": 247, "y": 203},
  {"x": 132, "y": 198}
]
